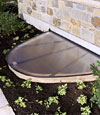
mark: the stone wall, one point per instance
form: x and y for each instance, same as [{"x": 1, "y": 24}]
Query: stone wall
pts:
[{"x": 78, "y": 19}]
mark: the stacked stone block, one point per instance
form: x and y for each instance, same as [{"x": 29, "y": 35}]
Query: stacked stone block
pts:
[{"x": 80, "y": 20}]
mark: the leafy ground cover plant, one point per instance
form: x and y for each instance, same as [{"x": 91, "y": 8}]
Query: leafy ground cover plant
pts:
[
  {"x": 26, "y": 83},
  {"x": 85, "y": 110},
  {"x": 16, "y": 38},
  {"x": 40, "y": 102},
  {"x": 21, "y": 102},
  {"x": 8, "y": 82},
  {"x": 51, "y": 100},
  {"x": 82, "y": 99},
  {"x": 5, "y": 51},
  {"x": 81, "y": 85},
  {"x": 59, "y": 112},
  {"x": 62, "y": 89},
  {"x": 96, "y": 84},
  {"x": 38, "y": 88}
]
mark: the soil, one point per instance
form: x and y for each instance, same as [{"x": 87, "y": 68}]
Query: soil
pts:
[{"x": 67, "y": 102}]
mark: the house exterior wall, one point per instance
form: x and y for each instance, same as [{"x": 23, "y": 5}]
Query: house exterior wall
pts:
[{"x": 77, "y": 18}]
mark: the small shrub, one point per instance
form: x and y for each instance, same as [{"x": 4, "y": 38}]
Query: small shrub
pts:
[
  {"x": 81, "y": 85},
  {"x": 26, "y": 84},
  {"x": 96, "y": 84},
  {"x": 9, "y": 23},
  {"x": 62, "y": 89},
  {"x": 82, "y": 99},
  {"x": 21, "y": 102},
  {"x": 85, "y": 110}
]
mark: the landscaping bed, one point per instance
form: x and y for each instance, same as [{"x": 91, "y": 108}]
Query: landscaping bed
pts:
[
  {"x": 67, "y": 102},
  {"x": 28, "y": 98}
]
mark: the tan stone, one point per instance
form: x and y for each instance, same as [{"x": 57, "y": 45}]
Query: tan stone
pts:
[
  {"x": 36, "y": 15},
  {"x": 97, "y": 38},
  {"x": 33, "y": 6},
  {"x": 87, "y": 26},
  {"x": 49, "y": 11},
  {"x": 61, "y": 4},
  {"x": 76, "y": 31},
  {"x": 69, "y": 3},
  {"x": 75, "y": 22},
  {"x": 66, "y": 26},
  {"x": 96, "y": 22},
  {"x": 67, "y": 18},
  {"x": 29, "y": 10},
  {"x": 80, "y": 15},
  {"x": 96, "y": 12},
  {"x": 56, "y": 22}
]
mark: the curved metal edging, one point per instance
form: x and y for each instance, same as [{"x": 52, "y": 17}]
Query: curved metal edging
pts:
[{"x": 85, "y": 78}]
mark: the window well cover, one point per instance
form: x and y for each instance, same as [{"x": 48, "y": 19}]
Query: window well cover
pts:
[{"x": 50, "y": 55}]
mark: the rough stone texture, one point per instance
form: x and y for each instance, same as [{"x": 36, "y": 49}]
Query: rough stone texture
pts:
[
  {"x": 66, "y": 26},
  {"x": 61, "y": 4},
  {"x": 87, "y": 35},
  {"x": 69, "y": 16},
  {"x": 75, "y": 22},
  {"x": 97, "y": 38},
  {"x": 79, "y": 15},
  {"x": 56, "y": 22},
  {"x": 68, "y": 3},
  {"x": 96, "y": 12},
  {"x": 96, "y": 22},
  {"x": 29, "y": 10},
  {"x": 34, "y": 6},
  {"x": 49, "y": 11},
  {"x": 76, "y": 31}
]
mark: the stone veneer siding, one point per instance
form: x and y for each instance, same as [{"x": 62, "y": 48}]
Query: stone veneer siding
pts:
[{"x": 78, "y": 19}]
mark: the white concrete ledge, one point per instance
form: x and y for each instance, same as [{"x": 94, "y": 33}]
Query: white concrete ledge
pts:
[
  {"x": 91, "y": 3},
  {"x": 45, "y": 27}
]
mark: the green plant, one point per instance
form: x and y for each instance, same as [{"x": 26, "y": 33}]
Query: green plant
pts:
[
  {"x": 38, "y": 88},
  {"x": 62, "y": 89},
  {"x": 40, "y": 102},
  {"x": 3, "y": 78},
  {"x": 35, "y": 114},
  {"x": 5, "y": 51},
  {"x": 21, "y": 102},
  {"x": 9, "y": 23},
  {"x": 51, "y": 100},
  {"x": 26, "y": 35},
  {"x": 9, "y": 83},
  {"x": 29, "y": 27},
  {"x": 82, "y": 99},
  {"x": 85, "y": 110},
  {"x": 26, "y": 83},
  {"x": 59, "y": 112},
  {"x": 16, "y": 38},
  {"x": 0, "y": 68},
  {"x": 81, "y": 85},
  {"x": 96, "y": 84}
]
